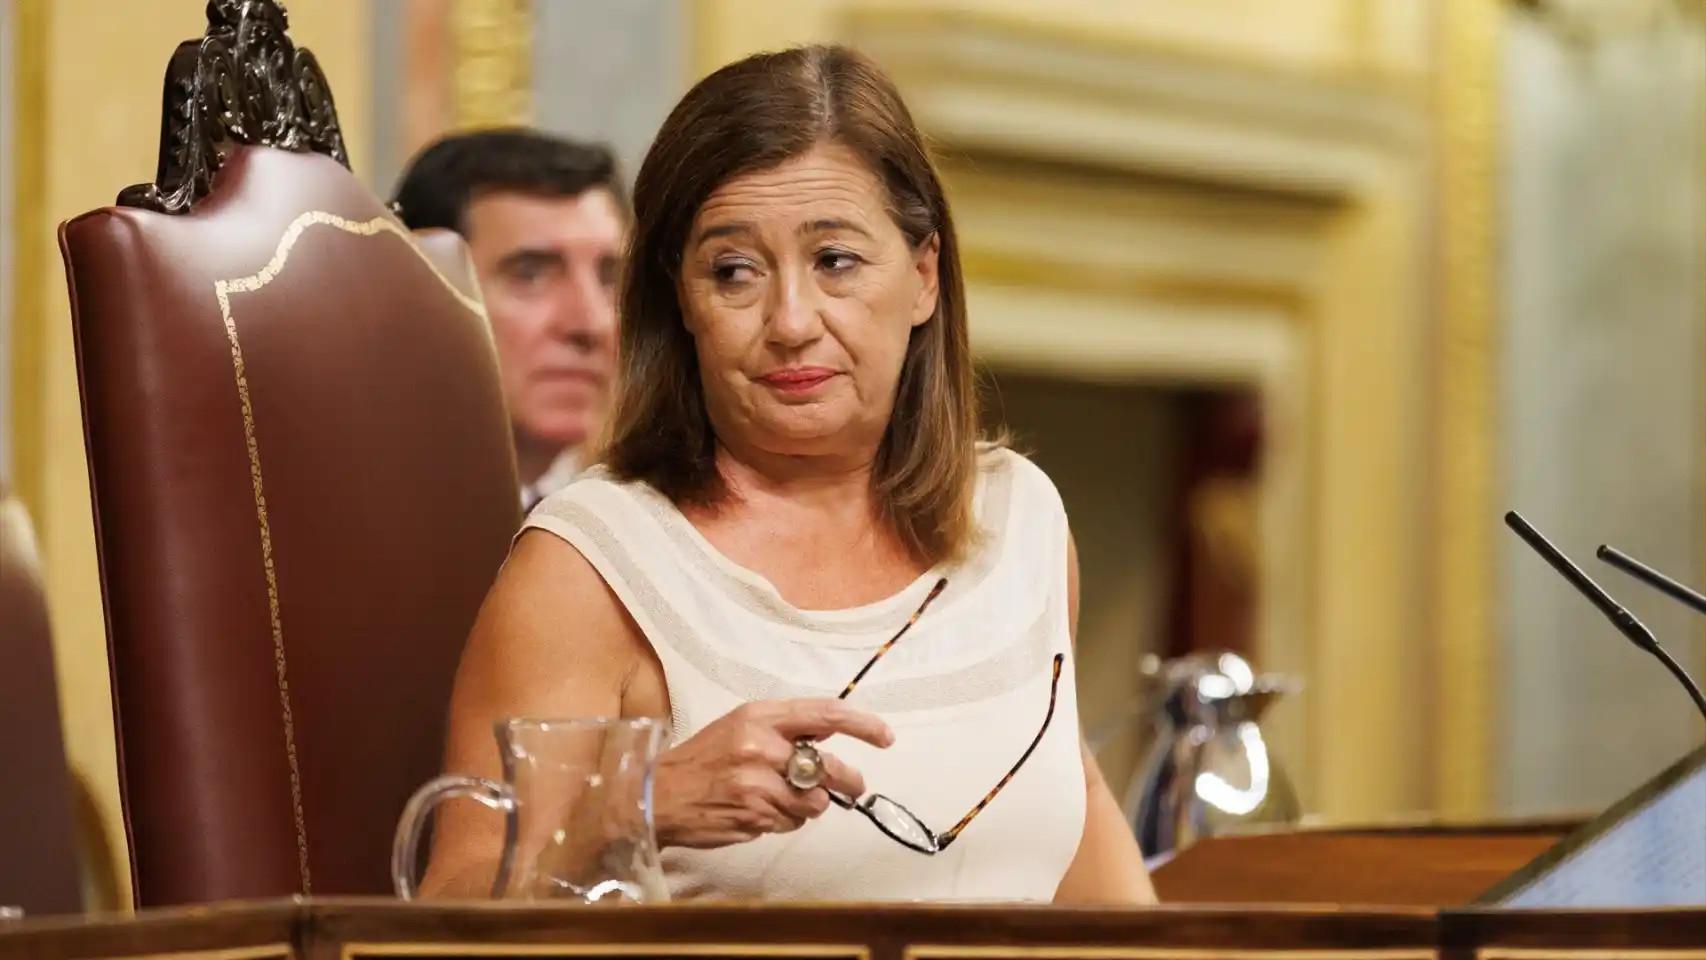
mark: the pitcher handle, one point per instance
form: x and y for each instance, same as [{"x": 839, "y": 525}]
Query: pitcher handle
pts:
[{"x": 406, "y": 848}]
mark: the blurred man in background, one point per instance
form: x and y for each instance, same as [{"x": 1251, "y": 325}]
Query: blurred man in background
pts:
[{"x": 545, "y": 220}]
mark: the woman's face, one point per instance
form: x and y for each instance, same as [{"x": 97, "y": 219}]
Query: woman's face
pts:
[{"x": 801, "y": 293}]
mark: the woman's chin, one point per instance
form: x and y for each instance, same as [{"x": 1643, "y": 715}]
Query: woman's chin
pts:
[
  {"x": 802, "y": 446},
  {"x": 808, "y": 425},
  {"x": 802, "y": 440}
]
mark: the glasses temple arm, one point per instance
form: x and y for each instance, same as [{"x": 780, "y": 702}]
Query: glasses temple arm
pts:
[
  {"x": 935, "y": 592},
  {"x": 1054, "y": 690},
  {"x": 844, "y": 802}
]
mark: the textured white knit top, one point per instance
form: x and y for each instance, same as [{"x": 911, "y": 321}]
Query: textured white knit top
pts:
[{"x": 965, "y": 691}]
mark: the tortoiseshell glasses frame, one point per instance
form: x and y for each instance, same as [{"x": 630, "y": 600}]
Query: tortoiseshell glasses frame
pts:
[{"x": 900, "y": 824}]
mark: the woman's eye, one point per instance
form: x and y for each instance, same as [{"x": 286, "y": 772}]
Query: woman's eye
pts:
[
  {"x": 837, "y": 261},
  {"x": 729, "y": 272}
]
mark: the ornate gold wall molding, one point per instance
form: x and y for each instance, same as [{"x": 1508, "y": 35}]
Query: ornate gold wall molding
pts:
[
  {"x": 492, "y": 42},
  {"x": 1466, "y": 519}
]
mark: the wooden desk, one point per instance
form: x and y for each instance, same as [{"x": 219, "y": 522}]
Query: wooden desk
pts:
[
  {"x": 388, "y": 930},
  {"x": 1421, "y": 865}
]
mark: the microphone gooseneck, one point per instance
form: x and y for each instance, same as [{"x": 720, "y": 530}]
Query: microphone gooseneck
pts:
[{"x": 1625, "y": 622}]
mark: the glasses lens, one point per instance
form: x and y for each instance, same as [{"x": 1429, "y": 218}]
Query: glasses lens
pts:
[{"x": 901, "y": 824}]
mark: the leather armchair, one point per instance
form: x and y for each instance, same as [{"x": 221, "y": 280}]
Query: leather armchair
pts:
[
  {"x": 303, "y": 485},
  {"x": 38, "y": 860}
]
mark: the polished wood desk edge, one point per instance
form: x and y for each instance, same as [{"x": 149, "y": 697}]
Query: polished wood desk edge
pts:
[
  {"x": 1554, "y": 823},
  {"x": 836, "y": 907},
  {"x": 285, "y": 909},
  {"x": 357, "y": 928},
  {"x": 308, "y": 908},
  {"x": 1657, "y": 927},
  {"x": 300, "y": 921},
  {"x": 917, "y": 922}
]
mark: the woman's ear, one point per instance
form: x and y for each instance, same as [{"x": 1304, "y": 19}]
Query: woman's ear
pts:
[{"x": 924, "y": 260}]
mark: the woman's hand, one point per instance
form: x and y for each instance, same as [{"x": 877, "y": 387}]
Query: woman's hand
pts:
[{"x": 725, "y": 785}]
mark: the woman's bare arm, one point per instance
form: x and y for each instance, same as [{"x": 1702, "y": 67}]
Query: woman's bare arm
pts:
[
  {"x": 1107, "y": 868},
  {"x": 551, "y": 640}
]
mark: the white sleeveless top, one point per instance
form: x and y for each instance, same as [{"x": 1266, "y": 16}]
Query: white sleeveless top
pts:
[{"x": 965, "y": 691}]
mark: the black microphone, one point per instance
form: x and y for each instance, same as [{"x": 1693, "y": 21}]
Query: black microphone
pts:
[
  {"x": 1622, "y": 619},
  {"x": 1653, "y": 578}
]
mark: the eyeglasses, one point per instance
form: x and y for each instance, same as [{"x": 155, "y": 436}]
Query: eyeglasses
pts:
[{"x": 900, "y": 824}]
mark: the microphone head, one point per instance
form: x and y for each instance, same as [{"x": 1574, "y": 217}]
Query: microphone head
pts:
[{"x": 1626, "y": 622}]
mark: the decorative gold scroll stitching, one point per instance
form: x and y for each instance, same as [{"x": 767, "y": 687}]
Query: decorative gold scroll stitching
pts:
[{"x": 222, "y": 290}]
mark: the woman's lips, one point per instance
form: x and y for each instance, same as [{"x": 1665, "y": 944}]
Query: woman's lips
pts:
[
  {"x": 797, "y": 380},
  {"x": 570, "y": 376}
]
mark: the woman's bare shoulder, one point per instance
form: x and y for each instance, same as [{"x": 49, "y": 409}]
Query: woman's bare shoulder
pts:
[
  {"x": 552, "y": 635},
  {"x": 546, "y": 579}
]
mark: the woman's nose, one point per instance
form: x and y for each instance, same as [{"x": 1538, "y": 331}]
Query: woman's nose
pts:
[{"x": 793, "y": 319}]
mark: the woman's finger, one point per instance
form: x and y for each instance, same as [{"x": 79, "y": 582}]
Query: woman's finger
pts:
[
  {"x": 821, "y": 719},
  {"x": 787, "y": 824},
  {"x": 802, "y": 804},
  {"x": 841, "y": 777}
]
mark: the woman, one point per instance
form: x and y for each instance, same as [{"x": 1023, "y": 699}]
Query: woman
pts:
[{"x": 794, "y": 478}]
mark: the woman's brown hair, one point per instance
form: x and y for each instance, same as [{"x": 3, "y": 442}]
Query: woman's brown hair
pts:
[{"x": 753, "y": 115}]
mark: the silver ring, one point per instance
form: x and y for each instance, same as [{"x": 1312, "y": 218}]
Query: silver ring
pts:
[{"x": 805, "y": 767}]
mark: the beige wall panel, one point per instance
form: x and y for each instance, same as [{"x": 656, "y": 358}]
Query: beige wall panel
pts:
[{"x": 1364, "y": 36}]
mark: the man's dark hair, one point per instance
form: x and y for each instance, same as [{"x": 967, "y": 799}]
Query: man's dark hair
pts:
[{"x": 450, "y": 174}]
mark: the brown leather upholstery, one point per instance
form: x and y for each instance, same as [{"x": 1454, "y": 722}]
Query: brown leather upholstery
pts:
[
  {"x": 303, "y": 483},
  {"x": 38, "y": 860}
]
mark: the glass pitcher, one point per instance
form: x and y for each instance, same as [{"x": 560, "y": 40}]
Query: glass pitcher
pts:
[
  {"x": 1210, "y": 770},
  {"x": 577, "y": 803}
]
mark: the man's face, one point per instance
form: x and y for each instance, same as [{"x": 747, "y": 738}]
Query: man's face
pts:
[{"x": 547, "y": 268}]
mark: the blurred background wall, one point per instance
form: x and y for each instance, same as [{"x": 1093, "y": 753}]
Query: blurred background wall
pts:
[
  {"x": 8, "y": 78},
  {"x": 1603, "y": 380},
  {"x": 1291, "y": 300}
]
